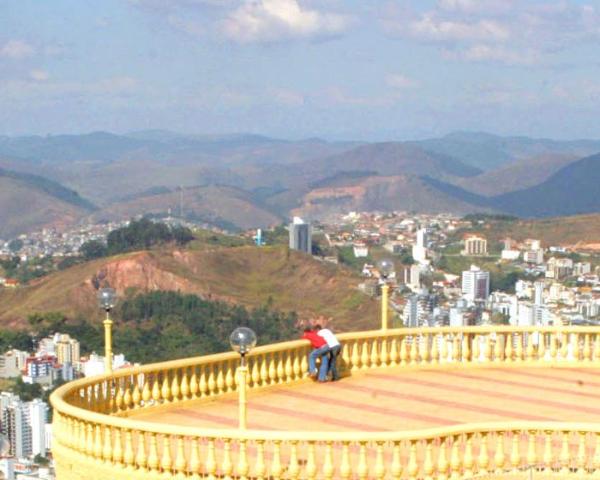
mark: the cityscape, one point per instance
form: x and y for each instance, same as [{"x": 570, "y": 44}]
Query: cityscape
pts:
[{"x": 299, "y": 240}]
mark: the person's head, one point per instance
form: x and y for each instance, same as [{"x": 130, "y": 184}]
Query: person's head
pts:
[
  {"x": 307, "y": 329},
  {"x": 317, "y": 327}
]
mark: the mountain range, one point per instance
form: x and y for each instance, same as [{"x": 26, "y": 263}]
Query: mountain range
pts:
[{"x": 245, "y": 181}]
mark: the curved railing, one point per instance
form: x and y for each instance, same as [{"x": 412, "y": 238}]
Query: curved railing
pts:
[{"x": 94, "y": 438}]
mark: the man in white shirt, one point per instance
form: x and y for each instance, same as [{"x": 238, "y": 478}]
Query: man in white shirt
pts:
[{"x": 334, "y": 350}]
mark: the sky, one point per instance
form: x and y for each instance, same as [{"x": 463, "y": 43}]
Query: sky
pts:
[{"x": 336, "y": 69}]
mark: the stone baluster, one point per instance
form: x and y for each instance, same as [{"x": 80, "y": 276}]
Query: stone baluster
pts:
[
  {"x": 166, "y": 461},
  {"x": 355, "y": 355},
  {"x": 548, "y": 457},
  {"x": 587, "y": 348},
  {"x": 293, "y": 465},
  {"x": 220, "y": 380},
  {"x": 364, "y": 358},
  {"x": 280, "y": 370},
  {"x": 455, "y": 463},
  {"x": 128, "y": 454},
  {"x": 412, "y": 469},
  {"x": 226, "y": 462},
  {"x": 531, "y": 449},
  {"x": 466, "y": 348},
  {"x": 180, "y": 460},
  {"x": 403, "y": 351},
  {"x": 428, "y": 467},
  {"x": 483, "y": 461},
  {"x": 276, "y": 465},
  {"x": 581, "y": 454},
  {"x": 211, "y": 460},
  {"x": 363, "y": 466},
  {"x": 565, "y": 454},
  {"x": 476, "y": 349},
  {"x": 396, "y": 469},
  {"x": 140, "y": 459},
  {"x": 194, "y": 385},
  {"x": 499, "y": 455},
  {"x": 165, "y": 391},
  {"x": 443, "y": 465},
  {"x": 394, "y": 353},
  {"x": 311, "y": 462},
  {"x": 328, "y": 468},
  {"x": 499, "y": 348},
  {"x": 384, "y": 357},
  {"x": 203, "y": 386},
  {"x": 260, "y": 468},
  {"x": 345, "y": 466},
  {"x": 195, "y": 462},
  {"x": 153, "y": 461},
  {"x": 515, "y": 454},
  {"x": 242, "y": 465},
  {"x": 374, "y": 358},
  {"x": 468, "y": 460},
  {"x": 414, "y": 352}
]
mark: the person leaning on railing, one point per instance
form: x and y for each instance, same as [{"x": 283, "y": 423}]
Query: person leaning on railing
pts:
[
  {"x": 334, "y": 350},
  {"x": 320, "y": 351}
]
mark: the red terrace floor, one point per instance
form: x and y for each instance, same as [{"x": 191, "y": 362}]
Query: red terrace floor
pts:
[{"x": 392, "y": 399}]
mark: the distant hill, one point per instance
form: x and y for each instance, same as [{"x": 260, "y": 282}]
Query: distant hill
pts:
[
  {"x": 488, "y": 152},
  {"x": 222, "y": 206},
  {"x": 516, "y": 175},
  {"x": 393, "y": 158},
  {"x": 29, "y": 202},
  {"x": 249, "y": 276},
  {"x": 574, "y": 189},
  {"x": 384, "y": 193},
  {"x": 581, "y": 231}
]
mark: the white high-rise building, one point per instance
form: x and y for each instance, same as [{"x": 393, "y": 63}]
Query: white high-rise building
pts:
[
  {"x": 300, "y": 235},
  {"x": 25, "y": 425},
  {"x": 419, "y": 250},
  {"x": 38, "y": 419},
  {"x": 475, "y": 284},
  {"x": 539, "y": 293}
]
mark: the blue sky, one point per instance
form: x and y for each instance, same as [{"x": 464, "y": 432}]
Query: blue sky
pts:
[{"x": 339, "y": 69}]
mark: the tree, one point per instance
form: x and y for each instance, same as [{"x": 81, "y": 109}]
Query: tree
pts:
[
  {"x": 93, "y": 249},
  {"x": 15, "y": 245},
  {"x": 41, "y": 461},
  {"x": 26, "y": 391}
]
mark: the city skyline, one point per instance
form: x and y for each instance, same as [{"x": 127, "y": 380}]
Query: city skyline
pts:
[{"x": 301, "y": 68}]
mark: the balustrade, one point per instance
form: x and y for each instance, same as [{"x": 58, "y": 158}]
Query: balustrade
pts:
[{"x": 94, "y": 438}]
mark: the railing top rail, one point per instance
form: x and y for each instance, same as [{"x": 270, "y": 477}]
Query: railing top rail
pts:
[{"x": 285, "y": 346}]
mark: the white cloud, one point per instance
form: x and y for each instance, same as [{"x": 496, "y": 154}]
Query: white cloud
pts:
[
  {"x": 275, "y": 20},
  {"x": 288, "y": 98},
  {"x": 495, "y": 53},
  {"x": 16, "y": 49},
  {"x": 399, "y": 81},
  {"x": 476, "y": 6},
  {"x": 502, "y": 31},
  {"x": 39, "y": 75},
  {"x": 429, "y": 27}
]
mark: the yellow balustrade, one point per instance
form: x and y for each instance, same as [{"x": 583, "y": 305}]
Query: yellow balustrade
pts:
[{"x": 95, "y": 436}]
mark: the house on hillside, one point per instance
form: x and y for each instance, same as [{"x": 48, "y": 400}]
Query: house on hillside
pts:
[{"x": 11, "y": 283}]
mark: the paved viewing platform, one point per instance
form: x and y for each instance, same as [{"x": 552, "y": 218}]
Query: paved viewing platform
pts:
[
  {"x": 394, "y": 400},
  {"x": 430, "y": 403}
]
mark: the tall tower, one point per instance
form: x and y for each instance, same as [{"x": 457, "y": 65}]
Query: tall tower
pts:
[{"x": 300, "y": 235}]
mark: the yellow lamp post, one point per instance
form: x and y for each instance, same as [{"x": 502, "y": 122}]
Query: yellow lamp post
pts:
[
  {"x": 386, "y": 268},
  {"x": 107, "y": 298},
  {"x": 242, "y": 340}
]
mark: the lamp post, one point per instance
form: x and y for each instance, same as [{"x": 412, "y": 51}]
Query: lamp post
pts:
[
  {"x": 242, "y": 340},
  {"x": 386, "y": 268},
  {"x": 107, "y": 299}
]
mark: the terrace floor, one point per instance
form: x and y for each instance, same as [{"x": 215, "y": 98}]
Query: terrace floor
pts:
[{"x": 394, "y": 399}]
